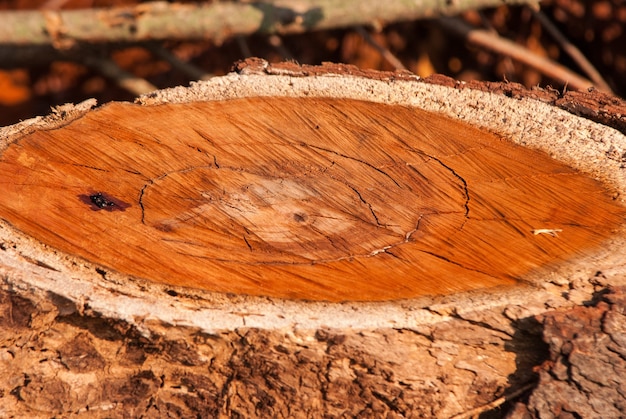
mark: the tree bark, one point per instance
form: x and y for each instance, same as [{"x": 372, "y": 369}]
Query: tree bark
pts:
[{"x": 302, "y": 241}]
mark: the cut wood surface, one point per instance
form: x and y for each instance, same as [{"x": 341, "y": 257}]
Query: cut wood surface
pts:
[
  {"x": 299, "y": 241},
  {"x": 318, "y": 199}
]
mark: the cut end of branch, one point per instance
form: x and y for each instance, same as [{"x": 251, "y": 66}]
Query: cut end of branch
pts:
[{"x": 301, "y": 198}]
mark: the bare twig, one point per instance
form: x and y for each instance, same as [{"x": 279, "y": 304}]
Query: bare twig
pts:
[
  {"x": 492, "y": 405},
  {"x": 110, "y": 69},
  {"x": 190, "y": 70},
  {"x": 573, "y": 52},
  {"x": 517, "y": 52},
  {"x": 508, "y": 63},
  {"x": 386, "y": 54},
  {"x": 216, "y": 20}
]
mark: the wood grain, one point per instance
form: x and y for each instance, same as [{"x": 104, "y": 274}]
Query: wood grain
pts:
[{"x": 318, "y": 199}]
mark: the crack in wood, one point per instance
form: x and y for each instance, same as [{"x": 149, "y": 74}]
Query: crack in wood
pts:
[
  {"x": 247, "y": 243},
  {"x": 89, "y": 167},
  {"x": 366, "y": 203},
  {"x": 142, "y": 191},
  {"x": 448, "y": 260},
  {"x": 459, "y": 177},
  {"x": 345, "y": 156}
]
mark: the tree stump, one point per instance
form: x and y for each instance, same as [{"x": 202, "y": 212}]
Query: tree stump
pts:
[{"x": 301, "y": 241}]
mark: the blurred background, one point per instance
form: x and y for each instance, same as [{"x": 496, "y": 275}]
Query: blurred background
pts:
[{"x": 548, "y": 47}]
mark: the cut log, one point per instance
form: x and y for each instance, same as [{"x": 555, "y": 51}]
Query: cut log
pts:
[
  {"x": 307, "y": 198},
  {"x": 308, "y": 240}
]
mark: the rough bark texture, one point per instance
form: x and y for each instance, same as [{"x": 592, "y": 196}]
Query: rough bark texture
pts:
[
  {"x": 584, "y": 375},
  {"x": 58, "y": 362},
  {"x": 55, "y": 361},
  {"x": 592, "y": 104},
  {"x": 76, "y": 342}
]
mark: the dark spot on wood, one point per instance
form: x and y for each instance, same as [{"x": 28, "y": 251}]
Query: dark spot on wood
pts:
[
  {"x": 166, "y": 228},
  {"x": 102, "y": 272},
  {"x": 100, "y": 201},
  {"x": 300, "y": 217},
  {"x": 172, "y": 293}
]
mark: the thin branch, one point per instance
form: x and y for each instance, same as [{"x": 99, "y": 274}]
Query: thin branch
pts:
[
  {"x": 125, "y": 80},
  {"x": 573, "y": 52},
  {"x": 509, "y": 68},
  {"x": 190, "y": 70},
  {"x": 517, "y": 52},
  {"x": 386, "y": 54},
  {"x": 492, "y": 405},
  {"x": 216, "y": 20}
]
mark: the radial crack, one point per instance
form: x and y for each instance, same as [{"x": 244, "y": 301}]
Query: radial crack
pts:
[
  {"x": 204, "y": 136},
  {"x": 461, "y": 179},
  {"x": 90, "y": 167},
  {"x": 373, "y": 213},
  {"x": 366, "y": 203},
  {"x": 321, "y": 233},
  {"x": 357, "y": 160},
  {"x": 143, "y": 210},
  {"x": 445, "y": 259},
  {"x": 247, "y": 243}
]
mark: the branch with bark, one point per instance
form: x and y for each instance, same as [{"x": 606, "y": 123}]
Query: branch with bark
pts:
[{"x": 216, "y": 21}]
